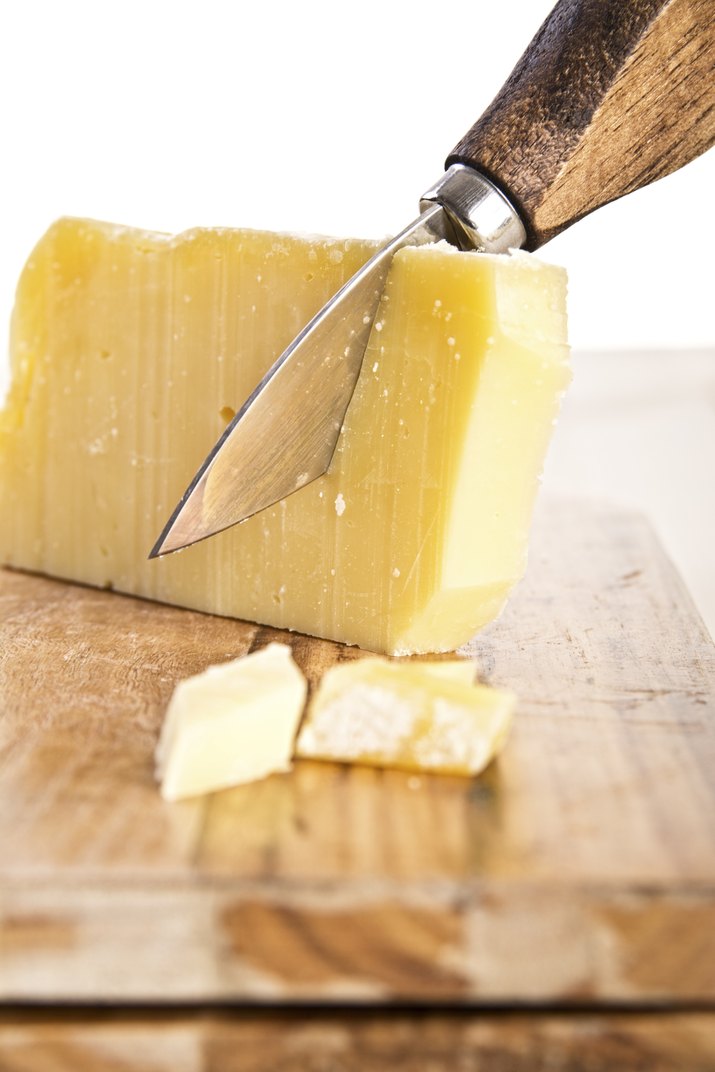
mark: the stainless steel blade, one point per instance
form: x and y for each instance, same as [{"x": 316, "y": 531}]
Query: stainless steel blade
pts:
[{"x": 285, "y": 434}]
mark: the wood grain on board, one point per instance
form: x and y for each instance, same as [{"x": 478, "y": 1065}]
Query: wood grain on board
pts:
[
  {"x": 579, "y": 868},
  {"x": 350, "y": 1040}
]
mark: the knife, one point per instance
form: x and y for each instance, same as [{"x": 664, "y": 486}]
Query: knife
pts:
[{"x": 609, "y": 96}]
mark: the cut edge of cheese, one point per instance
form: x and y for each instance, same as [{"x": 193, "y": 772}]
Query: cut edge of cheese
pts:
[{"x": 405, "y": 715}]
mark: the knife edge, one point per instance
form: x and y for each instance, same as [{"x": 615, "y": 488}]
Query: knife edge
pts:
[{"x": 247, "y": 470}]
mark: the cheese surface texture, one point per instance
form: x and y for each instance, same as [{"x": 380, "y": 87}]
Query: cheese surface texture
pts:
[
  {"x": 131, "y": 351},
  {"x": 408, "y": 715},
  {"x": 234, "y": 723}
]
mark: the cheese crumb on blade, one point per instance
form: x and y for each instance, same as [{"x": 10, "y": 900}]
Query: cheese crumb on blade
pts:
[
  {"x": 131, "y": 351},
  {"x": 232, "y": 724},
  {"x": 407, "y": 715}
]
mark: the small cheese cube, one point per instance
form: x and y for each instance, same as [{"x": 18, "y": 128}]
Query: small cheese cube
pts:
[
  {"x": 232, "y": 724},
  {"x": 408, "y": 715}
]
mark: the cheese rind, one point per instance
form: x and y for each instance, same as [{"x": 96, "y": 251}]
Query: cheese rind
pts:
[
  {"x": 232, "y": 724},
  {"x": 131, "y": 351},
  {"x": 406, "y": 715}
]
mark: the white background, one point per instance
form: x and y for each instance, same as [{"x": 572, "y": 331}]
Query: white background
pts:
[
  {"x": 310, "y": 116},
  {"x": 327, "y": 117}
]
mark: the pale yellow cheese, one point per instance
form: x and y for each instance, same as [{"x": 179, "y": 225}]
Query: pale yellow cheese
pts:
[
  {"x": 131, "y": 351},
  {"x": 462, "y": 670},
  {"x": 232, "y": 724},
  {"x": 407, "y": 715}
]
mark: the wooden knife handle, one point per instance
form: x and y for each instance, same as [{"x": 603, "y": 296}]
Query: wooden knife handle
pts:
[{"x": 609, "y": 96}]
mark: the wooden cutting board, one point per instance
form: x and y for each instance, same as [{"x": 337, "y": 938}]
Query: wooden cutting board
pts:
[{"x": 579, "y": 868}]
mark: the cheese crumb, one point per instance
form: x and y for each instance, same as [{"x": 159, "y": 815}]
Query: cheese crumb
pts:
[{"x": 340, "y": 504}]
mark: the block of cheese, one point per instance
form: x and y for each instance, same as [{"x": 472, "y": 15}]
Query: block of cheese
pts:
[
  {"x": 234, "y": 723},
  {"x": 132, "y": 350},
  {"x": 408, "y": 715}
]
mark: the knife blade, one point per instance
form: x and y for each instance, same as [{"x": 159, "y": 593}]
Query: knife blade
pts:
[
  {"x": 253, "y": 465},
  {"x": 285, "y": 433},
  {"x": 591, "y": 112},
  {"x": 260, "y": 459}
]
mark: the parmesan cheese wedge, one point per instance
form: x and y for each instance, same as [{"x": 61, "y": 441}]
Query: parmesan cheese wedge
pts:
[{"x": 132, "y": 350}]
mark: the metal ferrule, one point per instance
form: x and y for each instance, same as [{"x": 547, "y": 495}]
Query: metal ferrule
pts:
[{"x": 481, "y": 216}]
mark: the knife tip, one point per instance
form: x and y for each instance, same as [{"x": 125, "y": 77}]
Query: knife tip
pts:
[
  {"x": 182, "y": 529},
  {"x": 156, "y": 550},
  {"x": 169, "y": 541}
]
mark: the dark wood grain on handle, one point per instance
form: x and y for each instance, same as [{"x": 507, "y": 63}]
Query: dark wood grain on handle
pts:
[{"x": 609, "y": 96}]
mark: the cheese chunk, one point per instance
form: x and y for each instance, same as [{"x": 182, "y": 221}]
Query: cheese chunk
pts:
[
  {"x": 407, "y": 715},
  {"x": 462, "y": 670},
  {"x": 131, "y": 351},
  {"x": 234, "y": 723}
]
